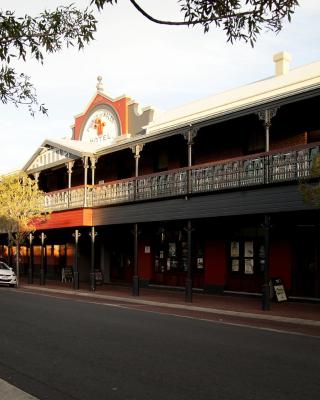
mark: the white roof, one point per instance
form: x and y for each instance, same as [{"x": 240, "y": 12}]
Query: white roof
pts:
[
  {"x": 64, "y": 150},
  {"x": 76, "y": 147},
  {"x": 293, "y": 82},
  {"x": 297, "y": 80}
]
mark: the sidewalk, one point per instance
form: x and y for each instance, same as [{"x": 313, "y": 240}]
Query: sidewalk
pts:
[
  {"x": 229, "y": 308},
  {"x": 10, "y": 392}
]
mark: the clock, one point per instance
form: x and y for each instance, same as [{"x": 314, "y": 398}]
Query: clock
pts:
[{"x": 102, "y": 126}]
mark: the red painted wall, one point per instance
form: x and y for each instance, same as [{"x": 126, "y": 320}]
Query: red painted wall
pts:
[
  {"x": 66, "y": 219},
  {"x": 145, "y": 261},
  {"x": 281, "y": 262},
  {"x": 121, "y": 107},
  {"x": 215, "y": 272},
  {"x": 279, "y": 141}
]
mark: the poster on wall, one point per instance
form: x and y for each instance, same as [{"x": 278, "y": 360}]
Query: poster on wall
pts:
[
  {"x": 248, "y": 266},
  {"x": 147, "y": 249},
  {"x": 185, "y": 263},
  {"x": 235, "y": 265},
  {"x": 172, "y": 249},
  {"x": 234, "y": 249},
  {"x": 200, "y": 262},
  {"x": 248, "y": 249}
]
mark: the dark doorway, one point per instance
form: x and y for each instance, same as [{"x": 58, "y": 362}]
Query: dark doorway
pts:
[{"x": 306, "y": 269}]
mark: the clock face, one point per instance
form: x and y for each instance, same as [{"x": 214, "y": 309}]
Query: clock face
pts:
[{"x": 101, "y": 127}]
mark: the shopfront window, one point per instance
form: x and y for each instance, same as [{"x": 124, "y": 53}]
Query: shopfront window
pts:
[
  {"x": 171, "y": 253},
  {"x": 246, "y": 256}
]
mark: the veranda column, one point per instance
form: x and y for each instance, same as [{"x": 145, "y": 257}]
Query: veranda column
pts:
[
  {"x": 189, "y": 271},
  {"x": 36, "y": 177},
  {"x": 93, "y": 235},
  {"x": 10, "y": 253},
  {"x": 85, "y": 168},
  {"x": 76, "y": 236},
  {"x": 69, "y": 166},
  {"x": 189, "y": 136},
  {"x": 135, "y": 281},
  {"x": 266, "y": 287},
  {"x": 135, "y": 287},
  {"x": 317, "y": 264},
  {"x": 42, "y": 271},
  {"x": 93, "y": 161},
  {"x": 136, "y": 151},
  {"x": 266, "y": 116},
  {"x": 30, "y": 268}
]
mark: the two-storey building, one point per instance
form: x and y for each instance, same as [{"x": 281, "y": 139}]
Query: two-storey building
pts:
[{"x": 205, "y": 195}]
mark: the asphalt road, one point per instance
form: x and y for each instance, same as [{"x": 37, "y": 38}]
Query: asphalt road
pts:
[{"x": 63, "y": 349}]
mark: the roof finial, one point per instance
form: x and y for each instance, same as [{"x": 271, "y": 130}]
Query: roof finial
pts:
[{"x": 99, "y": 84}]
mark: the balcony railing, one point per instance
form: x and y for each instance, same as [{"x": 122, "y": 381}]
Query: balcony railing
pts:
[{"x": 262, "y": 169}]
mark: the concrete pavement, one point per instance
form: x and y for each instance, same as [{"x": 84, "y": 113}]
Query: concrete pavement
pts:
[
  {"x": 295, "y": 316},
  {"x": 10, "y": 392}
]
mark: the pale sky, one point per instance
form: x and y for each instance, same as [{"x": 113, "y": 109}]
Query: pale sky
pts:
[{"x": 156, "y": 65}]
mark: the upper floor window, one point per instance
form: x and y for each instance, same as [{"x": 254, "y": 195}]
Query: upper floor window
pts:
[
  {"x": 162, "y": 161},
  {"x": 314, "y": 136}
]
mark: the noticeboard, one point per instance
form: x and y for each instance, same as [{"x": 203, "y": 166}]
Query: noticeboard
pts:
[{"x": 279, "y": 290}]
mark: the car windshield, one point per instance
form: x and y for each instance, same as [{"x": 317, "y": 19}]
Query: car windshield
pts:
[{"x": 4, "y": 266}]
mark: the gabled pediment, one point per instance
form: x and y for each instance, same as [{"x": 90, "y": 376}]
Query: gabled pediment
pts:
[
  {"x": 118, "y": 107},
  {"x": 51, "y": 154}
]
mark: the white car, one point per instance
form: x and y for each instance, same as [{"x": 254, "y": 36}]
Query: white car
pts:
[{"x": 7, "y": 276}]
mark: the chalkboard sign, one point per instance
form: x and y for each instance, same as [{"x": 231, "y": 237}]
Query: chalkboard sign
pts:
[
  {"x": 279, "y": 290},
  {"x": 98, "y": 276},
  {"x": 66, "y": 274}
]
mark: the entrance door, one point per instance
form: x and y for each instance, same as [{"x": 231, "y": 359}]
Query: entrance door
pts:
[
  {"x": 121, "y": 266},
  {"x": 306, "y": 277}
]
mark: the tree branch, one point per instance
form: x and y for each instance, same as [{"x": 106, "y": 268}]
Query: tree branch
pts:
[{"x": 187, "y": 23}]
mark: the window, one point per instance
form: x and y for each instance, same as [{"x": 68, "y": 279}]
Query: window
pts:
[
  {"x": 246, "y": 256},
  {"x": 161, "y": 161},
  {"x": 255, "y": 143},
  {"x": 314, "y": 136}
]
